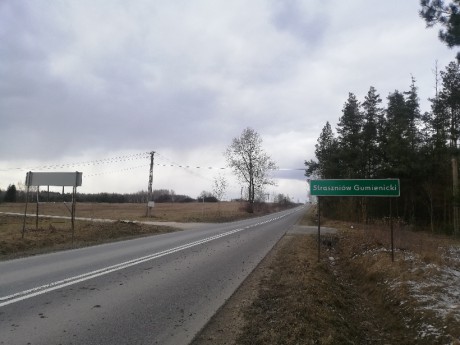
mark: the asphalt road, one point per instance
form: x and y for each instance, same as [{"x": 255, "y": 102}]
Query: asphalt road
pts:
[{"x": 155, "y": 290}]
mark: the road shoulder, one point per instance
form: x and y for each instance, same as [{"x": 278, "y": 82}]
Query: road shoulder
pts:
[{"x": 226, "y": 325}]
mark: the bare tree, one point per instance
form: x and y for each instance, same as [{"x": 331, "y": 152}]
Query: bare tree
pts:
[
  {"x": 219, "y": 187},
  {"x": 250, "y": 163}
]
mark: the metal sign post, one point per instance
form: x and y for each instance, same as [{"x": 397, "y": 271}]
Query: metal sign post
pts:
[
  {"x": 60, "y": 179},
  {"x": 319, "y": 228},
  {"x": 25, "y": 212},
  {"x": 392, "y": 237},
  {"x": 355, "y": 187}
]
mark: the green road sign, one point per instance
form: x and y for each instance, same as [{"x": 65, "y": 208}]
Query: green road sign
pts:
[{"x": 369, "y": 187}]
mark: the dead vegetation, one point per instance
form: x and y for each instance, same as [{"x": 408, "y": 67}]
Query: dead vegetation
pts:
[
  {"x": 354, "y": 295},
  {"x": 422, "y": 282},
  {"x": 51, "y": 234},
  {"x": 162, "y": 212}
]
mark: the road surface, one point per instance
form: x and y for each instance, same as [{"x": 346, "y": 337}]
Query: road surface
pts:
[{"x": 153, "y": 290}]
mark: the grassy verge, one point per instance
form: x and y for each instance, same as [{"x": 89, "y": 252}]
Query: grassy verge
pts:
[
  {"x": 162, "y": 212},
  {"x": 356, "y": 295},
  {"x": 51, "y": 234}
]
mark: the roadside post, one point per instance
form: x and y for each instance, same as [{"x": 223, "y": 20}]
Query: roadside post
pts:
[
  {"x": 355, "y": 187},
  {"x": 59, "y": 179},
  {"x": 150, "y": 206},
  {"x": 319, "y": 227}
]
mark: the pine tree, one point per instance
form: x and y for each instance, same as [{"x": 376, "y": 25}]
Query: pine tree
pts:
[
  {"x": 327, "y": 165},
  {"x": 397, "y": 128},
  {"x": 372, "y": 113},
  {"x": 436, "y": 12},
  {"x": 435, "y": 165},
  {"x": 449, "y": 98},
  {"x": 11, "y": 194},
  {"x": 414, "y": 139},
  {"x": 349, "y": 130},
  {"x": 413, "y": 116},
  {"x": 398, "y": 141}
]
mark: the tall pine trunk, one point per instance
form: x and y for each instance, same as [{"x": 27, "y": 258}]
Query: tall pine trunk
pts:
[{"x": 455, "y": 194}]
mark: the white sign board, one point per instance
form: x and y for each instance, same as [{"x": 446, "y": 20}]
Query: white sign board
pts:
[
  {"x": 60, "y": 179},
  {"x": 151, "y": 204}
]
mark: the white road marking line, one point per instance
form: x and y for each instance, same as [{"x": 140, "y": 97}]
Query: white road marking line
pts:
[{"x": 26, "y": 294}]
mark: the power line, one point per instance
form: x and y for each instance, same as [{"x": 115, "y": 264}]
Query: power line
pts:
[
  {"x": 116, "y": 171},
  {"x": 186, "y": 166},
  {"x": 288, "y": 169},
  {"x": 109, "y": 160},
  {"x": 189, "y": 168}
]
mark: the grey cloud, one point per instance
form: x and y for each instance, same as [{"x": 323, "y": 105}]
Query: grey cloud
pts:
[
  {"x": 302, "y": 21},
  {"x": 105, "y": 76}
]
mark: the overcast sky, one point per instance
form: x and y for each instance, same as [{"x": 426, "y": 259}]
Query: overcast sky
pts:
[{"x": 85, "y": 81}]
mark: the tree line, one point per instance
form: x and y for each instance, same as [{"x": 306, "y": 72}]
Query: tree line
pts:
[
  {"x": 245, "y": 156},
  {"x": 12, "y": 194},
  {"x": 397, "y": 141}
]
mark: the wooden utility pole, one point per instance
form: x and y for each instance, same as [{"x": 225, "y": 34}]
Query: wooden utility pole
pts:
[{"x": 149, "y": 196}]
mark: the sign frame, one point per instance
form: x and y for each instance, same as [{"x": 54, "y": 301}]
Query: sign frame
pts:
[
  {"x": 355, "y": 187},
  {"x": 61, "y": 179}
]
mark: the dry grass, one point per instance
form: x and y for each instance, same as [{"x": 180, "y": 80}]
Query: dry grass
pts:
[
  {"x": 52, "y": 235},
  {"x": 55, "y": 234},
  {"x": 167, "y": 212},
  {"x": 356, "y": 294},
  {"x": 301, "y": 302}
]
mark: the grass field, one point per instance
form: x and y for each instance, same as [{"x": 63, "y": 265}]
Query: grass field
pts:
[
  {"x": 163, "y": 212},
  {"x": 55, "y": 233}
]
